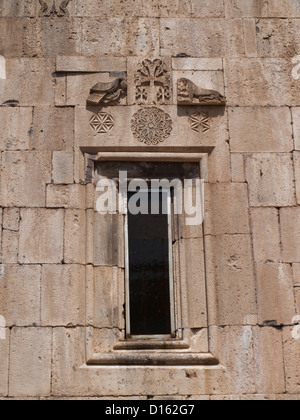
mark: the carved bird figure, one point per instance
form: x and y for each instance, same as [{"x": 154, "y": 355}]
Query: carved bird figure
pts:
[{"x": 104, "y": 93}]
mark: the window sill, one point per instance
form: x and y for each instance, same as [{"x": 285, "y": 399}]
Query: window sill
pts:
[{"x": 154, "y": 359}]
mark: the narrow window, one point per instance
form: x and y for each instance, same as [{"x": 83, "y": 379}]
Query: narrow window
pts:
[{"x": 149, "y": 269}]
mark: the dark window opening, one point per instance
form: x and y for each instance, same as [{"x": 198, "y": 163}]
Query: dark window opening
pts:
[{"x": 150, "y": 268}]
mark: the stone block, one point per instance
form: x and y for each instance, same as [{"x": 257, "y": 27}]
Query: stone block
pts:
[
  {"x": 16, "y": 130},
  {"x": 290, "y": 234},
  {"x": 108, "y": 240},
  {"x": 276, "y": 305},
  {"x": 11, "y": 37},
  {"x": 297, "y": 298},
  {"x": 75, "y": 237},
  {"x": 62, "y": 168},
  {"x": 261, "y": 82},
  {"x": 30, "y": 362},
  {"x": 20, "y": 295},
  {"x": 121, "y": 134},
  {"x": 296, "y": 271},
  {"x": 112, "y": 8},
  {"x": 41, "y": 236},
  {"x": 266, "y": 235},
  {"x": 18, "y": 190},
  {"x": 44, "y": 37},
  {"x": 237, "y": 168},
  {"x": 292, "y": 355},
  {"x": 120, "y": 37},
  {"x": 24, "y": 8},
  {"x": 53, "y": 128},
  {"x": 269, "y": 177},
  {"x": 257, "y": 129},
  {"x": 277, "y": 37},
  {"x": 250, "y": 37},
  {"x": 11, "y": 219},
  {"x": 234, "y": 277},
  {"x": 109, "y": 298},
  {"x": 226, "y": 209},
  {"x": 269, "y": 360},
  {"x": 4, "y": 363},
  {"x": 63, "y": 295},
  {"x": 197, "y": 64},
  {"x": 10, "y": 244},
  {"x": 220, "y": 37},
  {"x": 83, "y": 64},
  {"x": 296, "y": 127},
  {"x": 24, "y": 73},
  {"x": 236, "y": 352},
  {"x": 297, "y": 174},
  {"x": 66, "y": 196}
]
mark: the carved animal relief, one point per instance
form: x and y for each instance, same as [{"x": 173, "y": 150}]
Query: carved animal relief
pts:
[
  {"x": 48, "y": 10},
  {"x": 102, "y": 123},
  {"x": 151, "y": 126},
  {"x": 105, "y": 93},
  {"x": 190, "y": 94},
  {"x": 200, "y": 122},
  {"x": 153, "y": 83}
]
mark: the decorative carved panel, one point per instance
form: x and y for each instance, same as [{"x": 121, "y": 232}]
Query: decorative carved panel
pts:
[
  {"x": 102, "y": 123},
  {"x": 190, "y": 94},
  {"x": 200, "y": 122},
  {"x": 151, "y": 126},
  {"x": 153, "y": 83},
  {"x": 107, "y": 93},
  {"x": 50, "y": 9}
]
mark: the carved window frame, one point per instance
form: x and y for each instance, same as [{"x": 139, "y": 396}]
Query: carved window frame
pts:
[{"x": 180, "y": 351}]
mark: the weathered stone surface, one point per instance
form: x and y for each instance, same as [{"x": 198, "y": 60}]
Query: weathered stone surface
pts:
[
  {"x": 17, "y": 9},
  {"x": 237, "y": 168},
  {"x": 41, "y": 236},
  {"x": 234, "y": 278},
  {"x": 43, "y": 37},
  {"x": 266, "y": 234},
  {"x": 11, "y": 219},
  {"x": 20, "y": 295},
  {"x": 250, "y": 37},
  {"x": 19, "y": 190},
  {"x": 199, "y": 64},
  {"x": 258, "y": 130},
  {"x": 226, "y": 209},
  {"x": 82, "y": 64},
  {"x": 215, "y": 34},
  {"x": 261, "y": 82},
  {"x": 16, "y": 126},
  {"x": 269, "y": 360},
  {"x": 290, "y": 234},
  {"x": 296, "y": 271},
  {"x": 10, "y": 243},
  {"x": 28, "y": 81},
  {"x": 53, "y": 128},
  {"x": 74, "y": 241},
  {"x": 63, "y": 295},
  {"x": 62, "y": 168},
  {"x": 4, "y": 363},
  {"x": 276, "y": 305},
  {"x": 269, "y": 177},
  {"x": 66, "y": 196},
  {"x": 30, "y": 362},
  {"x": 119, "y": 36},
  {"x": 291, "y": 354},
  {"x": 11, "y": 37}
]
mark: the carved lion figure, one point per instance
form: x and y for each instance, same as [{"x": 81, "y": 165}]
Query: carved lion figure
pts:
[{"x": 191, "y": 94}]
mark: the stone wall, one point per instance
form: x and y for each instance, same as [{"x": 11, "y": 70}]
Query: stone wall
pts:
[{"x": 245, "y": 49}]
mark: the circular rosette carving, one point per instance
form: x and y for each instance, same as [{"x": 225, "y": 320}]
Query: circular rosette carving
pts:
[{"x": 151, "y": 126}]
